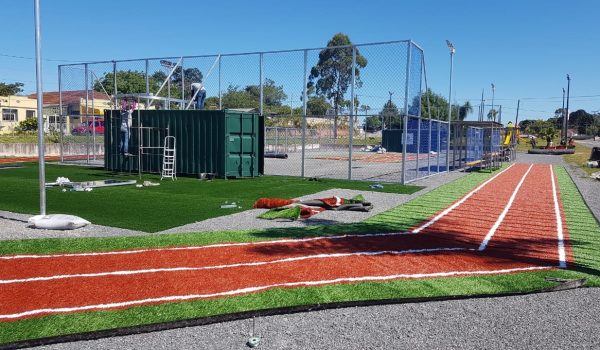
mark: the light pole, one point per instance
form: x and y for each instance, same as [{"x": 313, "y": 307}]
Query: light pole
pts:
[
  {"x": 563, "y": 135},
  {"x": 452, "y": 51},
  {"x": 567, "y": 110},
  {"x": 493, "y": 122}
]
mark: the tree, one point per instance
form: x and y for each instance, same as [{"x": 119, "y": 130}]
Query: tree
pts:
[
  {"x": 28, "y": 125},
  {"x": 190, "y": 75},
  {"x": 317, "y": 106},
  {"x": 11, "y": 89},
  {"x": 333, "y": 73},
  {"x": 464, "y": 110},
  {"x": 581, "y": 120},
  {"x": 236, "y": 97},
  {"x": 435, "y": 104},
  {"x": 391, "y": 116},
  {"x": 128, "y": 82},
  {"x": 548, "y": 133},
  {"x": 273, "y": 95}
]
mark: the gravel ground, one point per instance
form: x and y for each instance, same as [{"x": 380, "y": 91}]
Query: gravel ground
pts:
[{"x": 560, "y": 320}]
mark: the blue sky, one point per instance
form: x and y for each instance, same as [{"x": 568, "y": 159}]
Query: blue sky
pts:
[{"x": 525, "y": 48}]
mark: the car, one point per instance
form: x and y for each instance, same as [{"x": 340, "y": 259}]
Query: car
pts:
[{"x": 86, "y": 127}]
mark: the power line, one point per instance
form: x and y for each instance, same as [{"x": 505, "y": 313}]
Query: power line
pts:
[{"x": 31, "y": 58}]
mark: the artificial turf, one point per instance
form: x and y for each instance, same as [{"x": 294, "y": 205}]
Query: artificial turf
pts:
[
  {"x": 584, "y": 238},
  {"x": 157, "y": 208}
]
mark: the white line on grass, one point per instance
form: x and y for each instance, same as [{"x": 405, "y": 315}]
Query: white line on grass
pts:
[
  {"x": 208, "y": 246},
  {"x": 562, "y": 257},
  {"x": 260, "y": 288},
  {"x": 257, "y": 263},
  {"x": 455, "y": 205},
  {"x": 492, "y": 231}
]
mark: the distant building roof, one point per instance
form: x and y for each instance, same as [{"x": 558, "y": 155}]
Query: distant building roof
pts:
[{"x": 52, "y": 97}]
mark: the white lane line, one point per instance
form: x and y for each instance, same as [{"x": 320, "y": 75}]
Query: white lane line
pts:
[
  {"x": 492, "y": 231},
  {"x": 208, "y": 246},
  {"x": 214, "y": 267},
  {"x": 248, "y": 290},
  {"x": 455, "y": 205},
  {"x": 562, "y": 256}
]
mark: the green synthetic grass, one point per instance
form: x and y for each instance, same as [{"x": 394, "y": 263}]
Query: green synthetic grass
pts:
[
  {"x": 152, "y": 209},
  {"x": 583, "y": 231}
]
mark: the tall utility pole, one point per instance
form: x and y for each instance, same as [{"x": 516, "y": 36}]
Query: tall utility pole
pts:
[
  {"x": 567, "y": 110},
  {"x": 452, "y": 51},
  {"x": 563, "y": 133}
]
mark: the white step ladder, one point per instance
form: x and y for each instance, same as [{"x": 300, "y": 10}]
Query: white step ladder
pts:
[{"x": 169, "y": 156}]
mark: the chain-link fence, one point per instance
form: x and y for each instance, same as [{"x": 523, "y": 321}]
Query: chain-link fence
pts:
[{"x": 329, "y": 112}]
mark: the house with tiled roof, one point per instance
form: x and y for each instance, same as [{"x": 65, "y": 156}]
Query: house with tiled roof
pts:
[{"x": 79, "y": 107}]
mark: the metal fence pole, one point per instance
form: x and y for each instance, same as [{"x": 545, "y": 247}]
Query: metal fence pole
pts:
[
  {"x": 220, "y": 96},
  {"x": 304, "y": 110},
  {"x": 147, "y": 86},
  {"x": 87, "y": 98},
  {"x": 405, "y": 126},
  {"x": 260, "y": 69},
  {"x": 182, "y": 103},
  {"x": 60, "y": 117},
  {"x": 351, "y": 123},
  {"x": 115, "y": 90}
]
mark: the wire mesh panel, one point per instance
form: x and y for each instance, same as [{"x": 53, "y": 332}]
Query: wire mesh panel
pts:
[
  {"x": 444, "y": 139},
  {"x": 474, "y": 144},
  {"x": 283, "y": 88},
  {"x": 354, "y": 93}
]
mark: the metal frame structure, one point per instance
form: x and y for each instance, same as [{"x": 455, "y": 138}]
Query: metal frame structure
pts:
[{"x": 412, "y": 66}]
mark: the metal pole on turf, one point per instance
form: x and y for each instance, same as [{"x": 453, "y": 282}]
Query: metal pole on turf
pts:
[
  {"x": 40, "y": 107},
  {"x": 452, "y": 51}
]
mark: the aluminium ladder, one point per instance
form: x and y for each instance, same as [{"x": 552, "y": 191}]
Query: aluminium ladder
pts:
[{"x": 169, "y": 156}]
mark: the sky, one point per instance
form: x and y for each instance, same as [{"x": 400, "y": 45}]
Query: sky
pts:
[{"x": 525, "y": 48}]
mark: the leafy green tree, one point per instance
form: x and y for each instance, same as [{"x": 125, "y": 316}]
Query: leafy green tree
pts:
[
  {"x": 317, "y": 106},
  {"x": 128, "y": 82},
  {"x": 548, "y": 133},
  {"x": 332, "y": 75},
  {"x": 390, "y": 116},
  {"x": 273, "y": 95},
  {"x": 435, "y": 104},
  {"x": 11, "y": 89},
  {"x": 581, "y": 120},
  {"x": 236, "y": 97},
  {"x": 373, "y": 123}
]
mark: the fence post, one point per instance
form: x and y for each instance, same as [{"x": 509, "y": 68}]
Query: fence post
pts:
[
  {"x": 260, "y": 69},
  {"x": 60, "y": 119},
  {"x": 147, "y": 86},
  {"x": 304, "y": 110},
  {"x": 182, "y": 103},
  {"x": 220, "y": 96},
  {"x": 405, "y": 126},
  {"x": 87, "y": 97},
  {"x": 351, "y": 122}
]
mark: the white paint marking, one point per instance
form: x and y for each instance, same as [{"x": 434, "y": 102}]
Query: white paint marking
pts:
[
  {"x": 455, "y": 205},
  {"x": 214, "y": 267},
  {"x": 492, "y": 231},
  {"x": 562, "y": 256},
  {"x": 208, "y": 246},
  {"x": 260, "y": 288}
]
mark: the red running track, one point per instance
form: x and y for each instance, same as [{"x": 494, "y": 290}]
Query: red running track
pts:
[{"x": 491, "y": 230}]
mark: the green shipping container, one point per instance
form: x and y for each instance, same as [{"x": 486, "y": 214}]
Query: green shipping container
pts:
[{"x": 227, "y": 143}]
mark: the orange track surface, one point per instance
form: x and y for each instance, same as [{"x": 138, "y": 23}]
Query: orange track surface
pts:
[{"x": 525, "y": 239}]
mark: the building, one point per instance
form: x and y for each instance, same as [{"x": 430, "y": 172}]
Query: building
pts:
[
  {"x": 79, "y": 107},
  {"x": 14, "y": 110}
]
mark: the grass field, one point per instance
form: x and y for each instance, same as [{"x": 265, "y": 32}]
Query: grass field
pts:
[
  {"x": 583, "y": 230},
  {"x": 580, "y": 158},
  {"x": 152, "y": 209}
]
